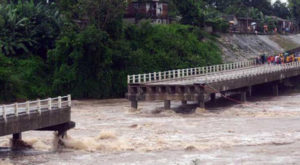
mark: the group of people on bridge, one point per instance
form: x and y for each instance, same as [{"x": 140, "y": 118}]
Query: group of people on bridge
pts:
[{"x": 277, "y": 59}]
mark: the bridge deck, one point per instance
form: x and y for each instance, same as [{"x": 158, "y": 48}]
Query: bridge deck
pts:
[
  {"x": 50, "y": 114},
  {"x": 205, "y": 79},
  {"x": 192, "y": 85},
  {"x": 34, "y": 106}
]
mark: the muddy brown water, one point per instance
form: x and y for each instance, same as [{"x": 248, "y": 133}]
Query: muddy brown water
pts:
[{"x": 265, "y": 130}]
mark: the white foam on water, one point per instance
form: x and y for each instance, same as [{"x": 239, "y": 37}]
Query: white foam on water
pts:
[
  {"x": 5, "y": 162},
  {"x": 106, "y": 141}
]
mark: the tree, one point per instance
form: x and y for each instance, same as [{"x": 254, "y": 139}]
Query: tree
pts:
[
  {"x": 28, "y": 28},
  {"x": 191, "y": 11},
  {"x": 295, "y": 9},
  {"x": 81, "y": 64},
  {"x": 281, "y": 10},
  {"x": 106, "y": 15}
]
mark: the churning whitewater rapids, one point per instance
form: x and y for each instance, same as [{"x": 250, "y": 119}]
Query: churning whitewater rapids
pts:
[{"x": 265, "y": 130}]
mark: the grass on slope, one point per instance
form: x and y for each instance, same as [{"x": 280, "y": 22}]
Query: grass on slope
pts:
[{"x": 284, "y": 43}]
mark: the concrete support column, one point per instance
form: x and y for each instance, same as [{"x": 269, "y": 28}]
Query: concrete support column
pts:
[
  {"x": 17, "y": 142},
  {"x": 275, "y": 89},
  {"x": 201, "y": 101},
  {"x": 17, "y": 137},
  {"x": 213, "y": 97},
  {"x": 249, "y": 92},
  {"x": 184, "y": 102},
  {"x": 201, "y": 104},
  {"x": 134, "y": 104},
  {"x": 167, "y": 104},
  {"x": 243, "y": 96},
  {"x": 200, "y": 96}
]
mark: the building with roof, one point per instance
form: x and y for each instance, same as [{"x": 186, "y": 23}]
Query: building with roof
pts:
[{"x": 154, "y": 10}]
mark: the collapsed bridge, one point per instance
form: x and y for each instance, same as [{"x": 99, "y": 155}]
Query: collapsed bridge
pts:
[
  {"x": 52, "y": 114},
  {"x": 203, "y": 83}
]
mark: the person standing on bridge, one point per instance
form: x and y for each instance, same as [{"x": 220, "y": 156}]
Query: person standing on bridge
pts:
[
  {"x": 277, "y": 59},
  {"x": 269, "y": 59},
  {"x": 272, "y": 59}
]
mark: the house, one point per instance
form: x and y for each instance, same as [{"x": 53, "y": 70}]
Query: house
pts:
[
  {"x": 240, "y": 24},
  {"x": 154, "y": 10},
  {"x": 285, "y": 26},
  {"x": 247, "y": 25}
]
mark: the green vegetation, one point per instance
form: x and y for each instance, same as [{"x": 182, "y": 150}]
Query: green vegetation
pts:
[
  {"x": 83, "y": 47},
  {"x": 44, "y": 53},
  {"x": 295, "y": 9}
]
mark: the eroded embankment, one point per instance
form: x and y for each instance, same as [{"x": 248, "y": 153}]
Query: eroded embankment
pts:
[{"x": 237, "y": 47}]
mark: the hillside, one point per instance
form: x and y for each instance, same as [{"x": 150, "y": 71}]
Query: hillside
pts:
[{"x": 238, "y": 47}]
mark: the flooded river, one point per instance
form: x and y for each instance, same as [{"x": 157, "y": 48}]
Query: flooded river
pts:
[{"x": 265, "y": 130}]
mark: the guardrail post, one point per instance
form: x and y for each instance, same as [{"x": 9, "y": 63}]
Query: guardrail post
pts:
[
  {"x": 59, "y": 101},
  {"x": 128, "y": 79},
  {"x": 39, "y": 105},
  {"x": 16, "y": 109},
  {"x": 159, "y": 76},
  {"x": 174, "y": 74},
  {"x": 27, "y": 107},
  {"x": 49, "y": 103},
  {"x": 4, "y": 112},
  {"x": 178, "y": 73},
  {"x": 150, "y": 78},
  {"x": 69, "y": 101}
]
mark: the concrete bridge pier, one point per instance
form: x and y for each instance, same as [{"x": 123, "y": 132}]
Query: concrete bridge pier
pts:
[
  {"x": 167, "y": 104},
  {"x": 243, "y": 96},
  {"x": 17, "y": 137},
  {"x": 61, "y": 130},
  {"x": 275, "y": 89},
  {"x": 184, "y": 102},
  {"x": 134, "y": 104},
  {"x": 249, "y": 91},
  {"x": 201, "y": 101},
  {"x": 17, "y": 142},
  {"x": 213, "y": 97}
]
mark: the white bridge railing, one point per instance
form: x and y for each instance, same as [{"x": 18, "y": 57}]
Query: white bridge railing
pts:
[
  {"x": 184, "y": 73},
  {"x": 262, "y": 69},
  {"x": 35, "y": 106}
]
